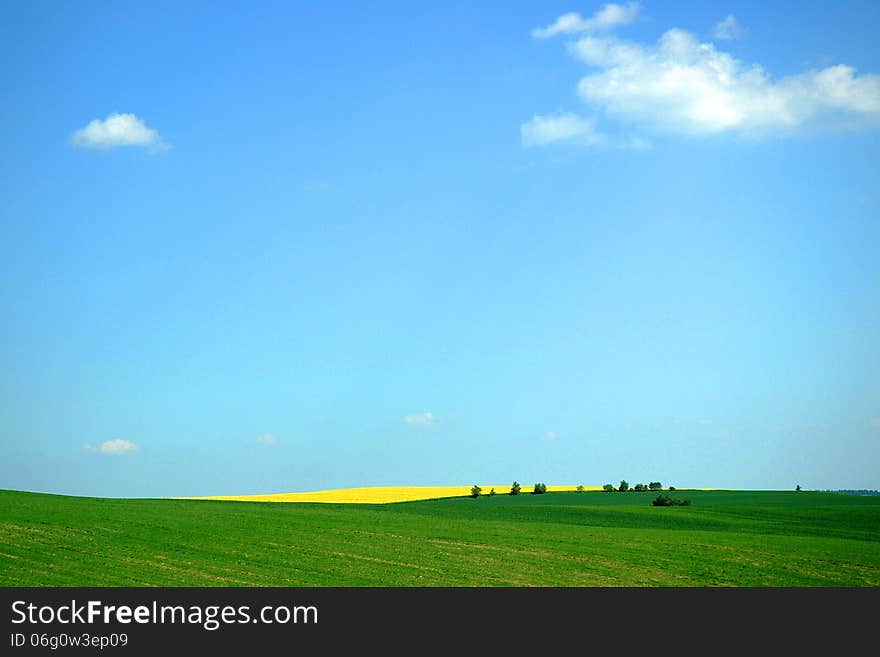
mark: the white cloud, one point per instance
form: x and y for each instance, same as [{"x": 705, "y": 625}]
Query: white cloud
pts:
[
  {"x": 546, "y": 130},
  {"x": 608, "y": 17},
  {"x": 420, "y": 419},
  {"x": 117, "y": 446},
  {"x": 680, "y": 85},
  {"x": 267, "y": 439},
  {"x": 705, "y": 422},
  {"x": 118, "y": 130},
  {"x": 550, "y": 435},
  {"x": 728, "y": 29},
  {"x": 572, "y": 129}
]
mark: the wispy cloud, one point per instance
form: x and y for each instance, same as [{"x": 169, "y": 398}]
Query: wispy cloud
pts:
[
  {"x": 728, "y": 29},
  {"x": 420, "y": 419},
  {"x": 608, "y": 17},
  {"x": 549, "y": 436},
  {"x": 267, "y": 439},
  {"x": 705, "y": 422},
  {"x": 116, "y": 447},
  {"x": 118, "y": 130},
  {"x": 552, "y": 129},
  {"x": 573, "y": 130},
  {"x": 679, "y": 85}
]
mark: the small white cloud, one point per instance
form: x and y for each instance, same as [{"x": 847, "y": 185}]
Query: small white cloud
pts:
[
  {"x": 117, "y": 446},
  {"x": 550, "y": 435},
  {"x": 267, "y": 439},
  {"x": 705, "y": 422},
  {"x": 556, "y": 128},
  {"x": 728, "y": 29},
  {"x": 118, "y": 130},
  {"x": 420, "y": 419},
  {"x": 607, "y": 18}
]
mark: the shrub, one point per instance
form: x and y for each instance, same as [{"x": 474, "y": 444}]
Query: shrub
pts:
[
  {"x": 539, "y": 489},
  {"x": 672, "y": 488},
  {"x": 491, "y": 492},
  {"x": 608, "y": 488},
  {"x": 665, "y": 500},
  {"x": 580, "y": 489},
  {"x": 515, "y": 488},
  {"x": 475, "y": 491},
  {"x": 624, "y": 486}
]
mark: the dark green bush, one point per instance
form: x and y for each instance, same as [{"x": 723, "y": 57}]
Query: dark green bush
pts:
[
  {"x": 539, "y": 489},
  {"x": 475, "y": 491},
  {"x": 515, "y": 488},
  {"x": 665, "y": 500}
]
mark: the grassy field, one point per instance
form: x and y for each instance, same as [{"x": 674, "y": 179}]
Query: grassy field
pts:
[{"x": 727, "y": 538}]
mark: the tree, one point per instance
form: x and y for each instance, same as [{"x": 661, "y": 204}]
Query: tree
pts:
[
  {"x": 580, "y": 489},
  {"x": 475, "y": 491},
  {"x": 624, "y": 486},
  {"x": 798, "y": 488},
  {"x": 608, "y": 488},
  {"x": 655, "y": 485},
  {"x": 491, "y": 492},
  {"x": 515, "y": 488},
  {"x": 539, "y": 489},
  {"x": 639, "y": 487}
]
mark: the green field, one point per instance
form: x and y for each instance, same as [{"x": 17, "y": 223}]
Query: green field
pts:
[{"x": 727, "y": 538}]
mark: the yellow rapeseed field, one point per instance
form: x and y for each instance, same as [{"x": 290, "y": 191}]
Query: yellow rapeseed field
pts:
[{"x": 379, "y": 494}]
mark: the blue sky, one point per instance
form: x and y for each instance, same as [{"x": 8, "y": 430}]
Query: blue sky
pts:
[{"x": 265, "y": 247}]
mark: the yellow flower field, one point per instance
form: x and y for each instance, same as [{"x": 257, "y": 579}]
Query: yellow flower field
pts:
[{"x": 379, "y": 494}]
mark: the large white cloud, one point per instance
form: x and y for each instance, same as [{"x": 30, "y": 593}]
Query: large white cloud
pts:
[
  {"x": 118, "y": 130},
  {"x": 680, "y": 85}
]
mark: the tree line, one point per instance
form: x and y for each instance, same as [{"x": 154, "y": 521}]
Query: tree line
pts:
[
  {"x": 623, "y": 487},
  {"x": 541, "y": 488}
]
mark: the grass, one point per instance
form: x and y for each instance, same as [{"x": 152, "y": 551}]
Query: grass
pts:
[{"x": 727, "y": 538}]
